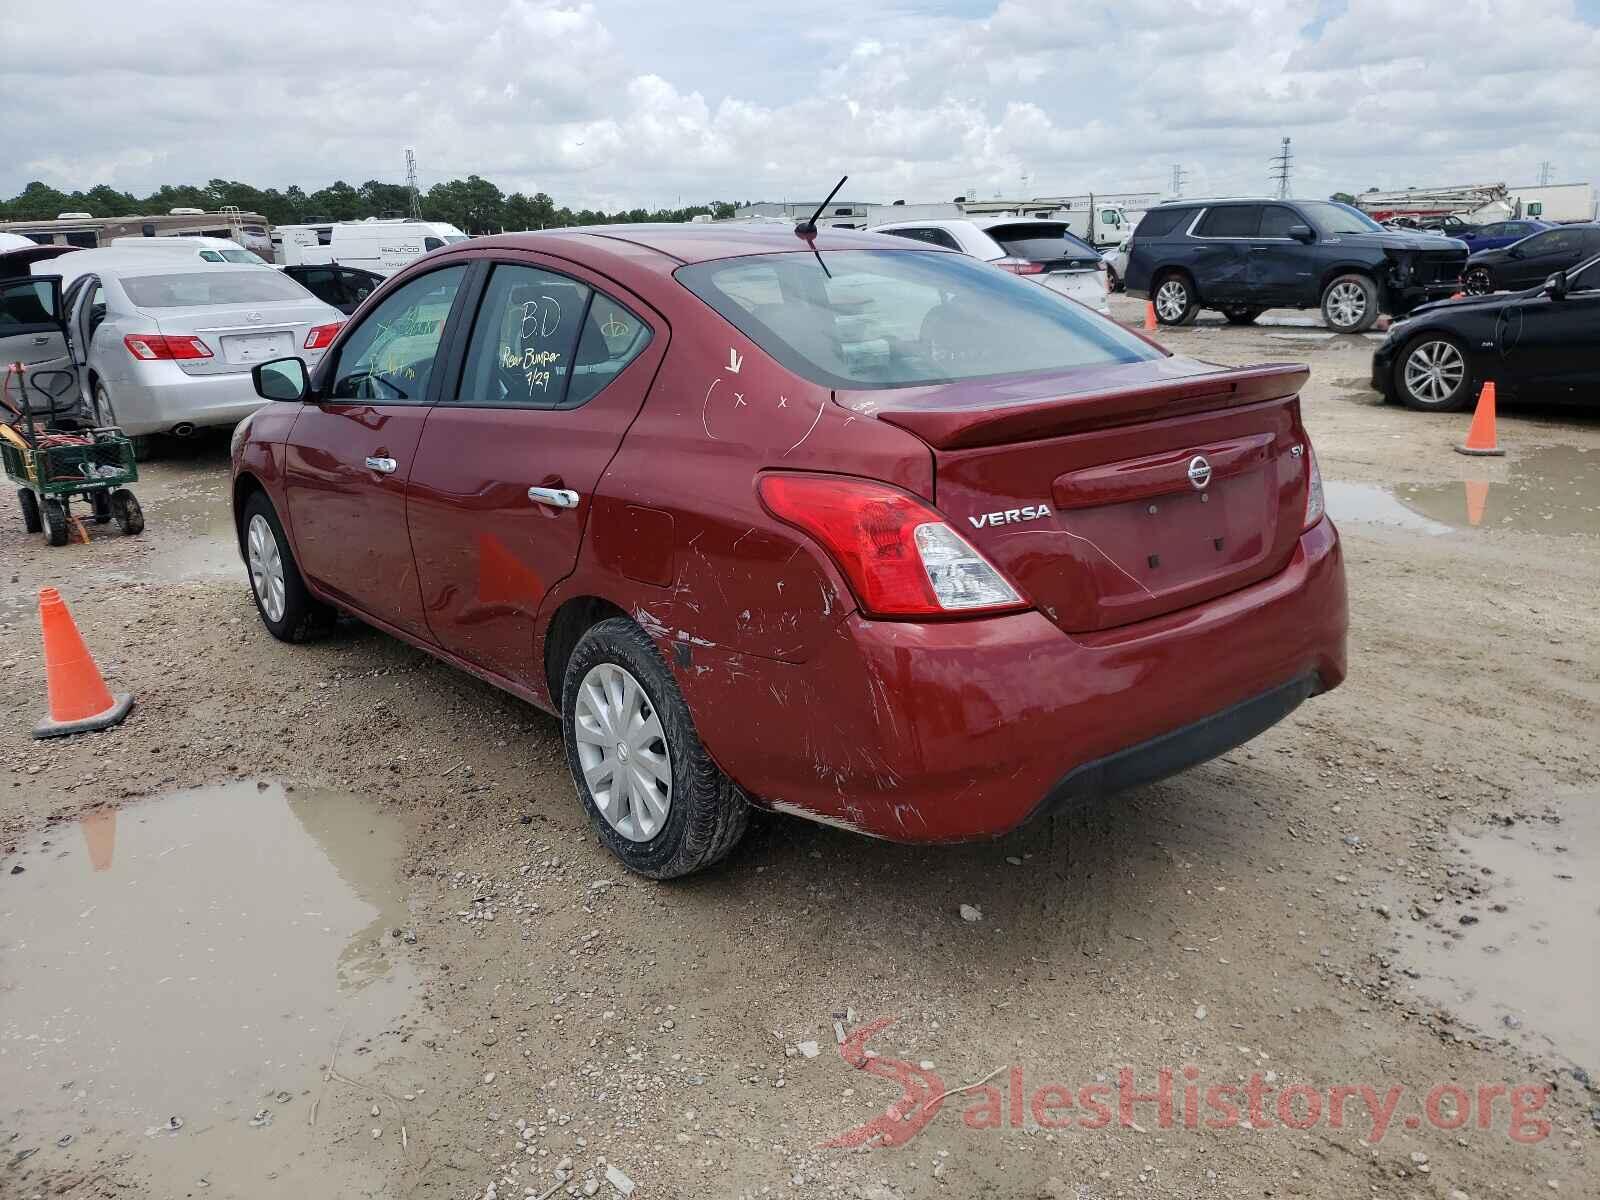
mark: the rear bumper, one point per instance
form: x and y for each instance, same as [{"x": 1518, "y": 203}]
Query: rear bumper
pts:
[
  {"x": 156, "y": 397},
  {"x": 1086, "y": 287},
  {"x": 959, "y": 730}
]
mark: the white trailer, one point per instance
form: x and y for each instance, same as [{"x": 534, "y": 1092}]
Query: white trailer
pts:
[{"x": 1558, "y": 202}]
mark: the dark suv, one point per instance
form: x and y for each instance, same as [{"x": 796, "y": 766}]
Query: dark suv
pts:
[{"x": 1246, "y": 256}]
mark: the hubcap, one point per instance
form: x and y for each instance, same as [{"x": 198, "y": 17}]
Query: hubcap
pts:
[
  {"x": 1434, "y": 371},
  {"x": 1171, "y": 300},
  {"x": 622, "y": 748},
  {"x": 1347, "y": 304},
  {"x": 266, "y": 567},
  {"x": 1478, "y": 283}
]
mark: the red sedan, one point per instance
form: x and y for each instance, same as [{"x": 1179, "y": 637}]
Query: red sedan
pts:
[{"x": 838, "y": 525}]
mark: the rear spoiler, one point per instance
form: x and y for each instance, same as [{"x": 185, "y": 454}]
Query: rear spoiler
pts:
[{"x": 991, "y": 413}]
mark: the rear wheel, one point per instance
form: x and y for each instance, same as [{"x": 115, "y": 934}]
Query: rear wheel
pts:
[
  {"x": 104, "y": 413},
  {"x": 101, "y": 503},
  {"x": 1175, "y": 301},
  {"x": 29, "y": 503},
  {"x": 1242, "y": 314},
  {"x": 1113, "y": 281},
  {"x": 125, "y": 507},
  {"x": 1479, "y": 281},
  {"x": 1434, "y": 374},
  {"x": 1350, "y": 304},
  {"x": 651, "y": 791},
  {"x": 287, "y": 608},
  {"x": 54, "y": 514}
]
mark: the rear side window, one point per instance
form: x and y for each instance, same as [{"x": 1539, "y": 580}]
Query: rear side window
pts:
[
  {"x": 1230, "y": 220},
  {"x": 388, "y": 358},
  {"x": 432, "y": 243},
  {"x": 902, "y": 318},
  {"x": 611, "y": 339},
  {"x": 1159, "y": 222},
  {"x": 934, "y": 237},
  {"x": 521, "y": 353}
]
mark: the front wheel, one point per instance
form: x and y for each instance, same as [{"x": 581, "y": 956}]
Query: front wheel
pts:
[
  {"x": 1434, "y": 375},
  {"x": 1479, "y": 281},
  {"x": 29, "y": 503},
  {"x": 1350, "y": 304},
  {"x": 287, "y": 608},
  {"x": 651, "y": 791},
  {"x": 1175, "y": 301},
  {"x": 54, "y": 515}
]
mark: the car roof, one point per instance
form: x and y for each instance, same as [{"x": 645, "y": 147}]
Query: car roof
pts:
[
  {"x": 126, "y": 262},
  {"x": 931, "y": 223},
  {"x": 1193, "y": 200},
  {"x": 689, "y": 243}
]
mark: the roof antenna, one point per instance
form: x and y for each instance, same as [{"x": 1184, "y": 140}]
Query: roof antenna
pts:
[{"x": 808, "y": 227}]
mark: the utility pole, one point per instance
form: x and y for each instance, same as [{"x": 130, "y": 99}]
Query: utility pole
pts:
[
  {"x": 411, "y": 184},
  {"x": 1547, "y": 172},
  {"x": 1178, "y": 177},
  {"x": 1282, "y": 162}
]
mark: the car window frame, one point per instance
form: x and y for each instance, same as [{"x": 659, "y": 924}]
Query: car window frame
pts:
[
  {"x": 1258, "y": 205},
  {"x": 466, "y": 317},
  {"x": 328, "y": 369},
  {"x": 1299, "y": 219}
]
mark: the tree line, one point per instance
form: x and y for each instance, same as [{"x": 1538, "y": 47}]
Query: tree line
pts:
[{"x": 473, "y": 204}]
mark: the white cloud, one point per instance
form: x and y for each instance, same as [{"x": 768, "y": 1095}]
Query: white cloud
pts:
[{"x": 623, "y": 102}]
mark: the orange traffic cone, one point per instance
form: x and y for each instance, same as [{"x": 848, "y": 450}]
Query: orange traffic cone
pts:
[
  {"x": 1150, "y": 314},
  {"x": 79, "y": 699},
  {"x": 1481, "y": 437}
]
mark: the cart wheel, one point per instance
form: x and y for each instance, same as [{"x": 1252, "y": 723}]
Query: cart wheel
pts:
[
  {"x": 55, "y": 522},
  {"x": 102, "y": 507},
  {"x": 30, "y": 510},
  {"x": 126, "y": 509}
]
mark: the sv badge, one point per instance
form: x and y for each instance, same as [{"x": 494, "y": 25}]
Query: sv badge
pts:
[{"x": 1010, "y": 516}]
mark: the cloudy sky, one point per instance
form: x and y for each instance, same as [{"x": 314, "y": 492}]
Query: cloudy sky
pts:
[{"x": 623, "y": 102}]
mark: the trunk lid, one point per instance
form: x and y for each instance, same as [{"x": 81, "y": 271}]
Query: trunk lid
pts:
[
  {"x": 239, "y": 337},
  {"x": 1085, "y": 489}
]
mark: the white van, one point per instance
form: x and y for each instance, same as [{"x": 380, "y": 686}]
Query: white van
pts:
[
  {"x": 381, "y": 246},
  {"x": 206, "y": 249}
]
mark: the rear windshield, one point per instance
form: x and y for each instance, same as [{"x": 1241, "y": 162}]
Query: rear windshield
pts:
[
  {"x": 901, "y": 318},
  {"x": 195, "y": 290},
  {"x": 242, "y": 255},
  {"x": 1040, "y": 241}
]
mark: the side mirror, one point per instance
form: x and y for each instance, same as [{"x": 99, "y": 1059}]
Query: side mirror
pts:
[
  {"x": 1556, "y": 286},
  {"x": 1302, "y": 233},
  {"x": 32, "y": 304},
  {"x": 282, "y": 379}
]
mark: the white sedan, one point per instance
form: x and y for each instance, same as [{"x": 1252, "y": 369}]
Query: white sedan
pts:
[{"x": 1043, "y": 251}]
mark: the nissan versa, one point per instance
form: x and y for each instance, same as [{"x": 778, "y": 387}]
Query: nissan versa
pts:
[{"x": 838, "y": 525}]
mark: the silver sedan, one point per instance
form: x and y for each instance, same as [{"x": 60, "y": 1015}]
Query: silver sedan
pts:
[{"x": 165, "y": 347}]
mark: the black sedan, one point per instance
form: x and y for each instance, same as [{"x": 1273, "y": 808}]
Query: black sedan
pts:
[
  {"x": 1542, "y": 343},
  {"x": 1531, "y": 261},
  {"x": 343, "y": 287}
]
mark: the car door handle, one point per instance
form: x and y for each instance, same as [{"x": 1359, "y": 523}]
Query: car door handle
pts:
[
  {"x": 556, "y": 497},
  {"x": 383, "y": 466},
  {"x": 43, "y": 340}
]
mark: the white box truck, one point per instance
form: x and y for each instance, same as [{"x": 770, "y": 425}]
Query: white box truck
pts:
[
  {"x": 1558, "y": 202},
  {"x": 380, "y": 246}
]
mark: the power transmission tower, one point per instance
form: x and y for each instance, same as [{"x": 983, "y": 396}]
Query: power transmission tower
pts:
[
  {"x": 1178, "y": 177},
  {"x": 1547, "y": 172},
  {"x": 411, "y": 184},
  {"x": 1282, "y": 162}
]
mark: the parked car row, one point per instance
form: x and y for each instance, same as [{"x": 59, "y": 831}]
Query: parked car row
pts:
[
  {"x": 1045, "y": 251},
  {"x": 1529, "y": 261}
]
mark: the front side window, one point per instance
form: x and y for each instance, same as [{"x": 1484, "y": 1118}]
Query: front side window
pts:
[
  {"x": 389, "y": 357},
  {"x": 1230, "y": 221},
  {"x": 1277, "y": 220},
  {"x": 25, "y": 304},
  {"x": 1557, "y": 241},
  {"x": 521, "y": 353},
  {"x": 903, "y": 318},
  {"x": 357, "y": 286}
]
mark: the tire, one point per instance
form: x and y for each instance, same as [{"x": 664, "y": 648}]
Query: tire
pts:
[
  {"x": 1478, "y": 281},
  {"x": 104, "y": 413},
  {"x": 1175, "y": 300},
  {"x": 125, "y": 507},
  {"x": 289, "y": 611},
  {"x": 1242, "y": 315},
  {"x": 1113, "y": 280},
  {"x": 29, "y": 503},
  {"x": 1434, "y": 374},
  {"x": 703, "y": 813},
  {"x": 55, "y": 521},
  {"x": 101, "y": 503},
  {"x": 1350, "y": 304}
]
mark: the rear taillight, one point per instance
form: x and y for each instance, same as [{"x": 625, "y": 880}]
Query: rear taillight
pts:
[
  {"x": 321, "y": 336},
  {"x": 901, "y": 558},
  {"x": 1314, "y": 501},
  {"x": 1019, "y": 266},
  {"x": 148, "y": 347}
]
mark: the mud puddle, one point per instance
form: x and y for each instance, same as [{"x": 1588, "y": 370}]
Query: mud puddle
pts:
[
  {"x": 1547, "y": 489},
  {"x": 174, "y": 977},
  {"x": 1520, "y": 958}
]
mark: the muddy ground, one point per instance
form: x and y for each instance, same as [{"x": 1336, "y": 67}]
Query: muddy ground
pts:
[{"x": 379, "y": 951}]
